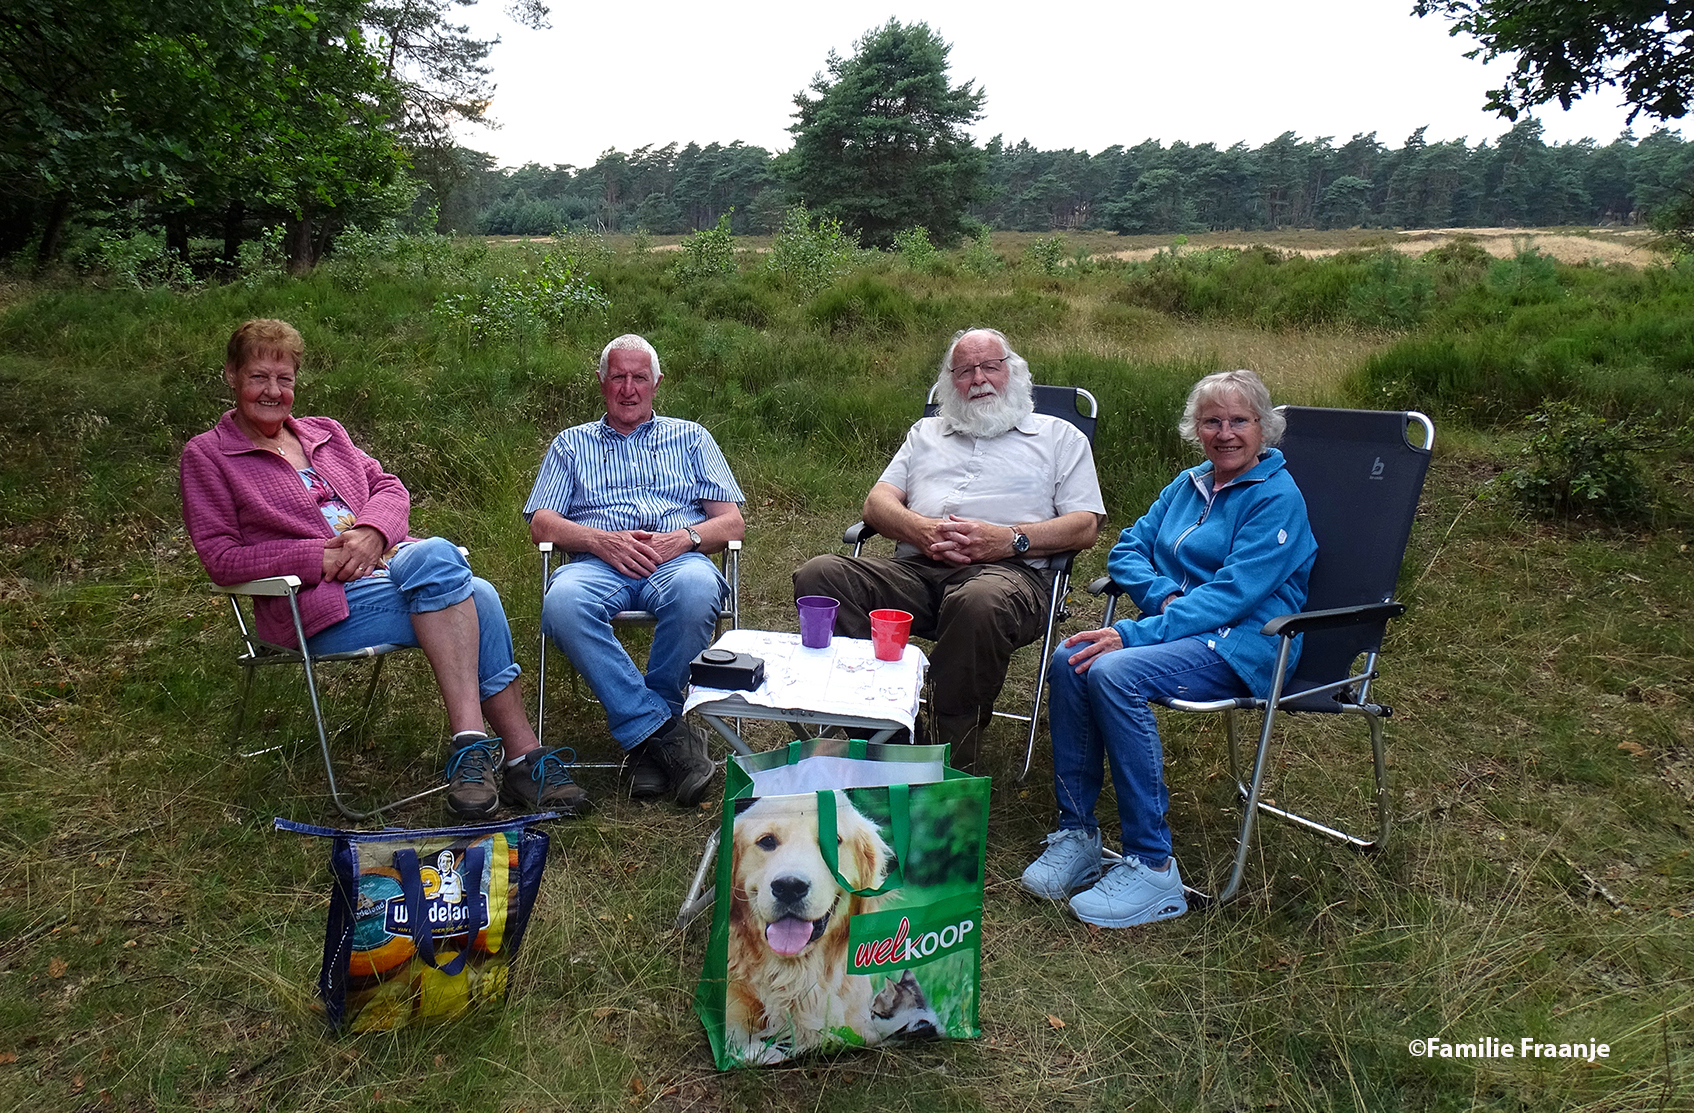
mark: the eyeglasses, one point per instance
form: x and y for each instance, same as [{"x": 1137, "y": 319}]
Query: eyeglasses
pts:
[
  {"x": 987, "y": 366},
  {"x": 1236, "y": 424}
]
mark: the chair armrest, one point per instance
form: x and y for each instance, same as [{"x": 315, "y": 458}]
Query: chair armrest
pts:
[
  {"x": 858, "y": 533},
  {"x": 1290, "y": 624},
  {"x": 269, "y": 585},
  {"x": 543, "y": 546},
  {"x": 1103, "y": 585}
]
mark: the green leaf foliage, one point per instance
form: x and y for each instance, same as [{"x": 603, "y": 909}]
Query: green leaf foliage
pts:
[
  {"x": 1580, "y": 464},
  {"x": 1563, "y": 49}
]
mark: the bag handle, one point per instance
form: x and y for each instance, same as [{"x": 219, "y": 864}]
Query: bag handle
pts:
[
  {"x": 857, "y": 748},
  {"x": 411, "y": 887},
  {"x": 900, "y": 820}
]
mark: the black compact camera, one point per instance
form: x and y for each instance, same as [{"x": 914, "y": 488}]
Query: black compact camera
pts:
[{"x": 720, "y": 668}]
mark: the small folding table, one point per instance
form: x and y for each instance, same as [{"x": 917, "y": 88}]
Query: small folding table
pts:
[{"x": 842, "y": 685}]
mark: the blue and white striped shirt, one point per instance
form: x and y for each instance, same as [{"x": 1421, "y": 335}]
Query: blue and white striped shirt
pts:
[{"x": 654, "y": 479}]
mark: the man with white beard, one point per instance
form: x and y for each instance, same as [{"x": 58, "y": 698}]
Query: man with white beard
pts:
[{"x": 976, "y": 499}]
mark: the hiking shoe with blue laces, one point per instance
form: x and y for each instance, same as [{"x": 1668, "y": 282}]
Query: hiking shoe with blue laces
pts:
[
  {"x": 1131, "y": 893},
  {"x": 1070, "y": 862},
  {"x": 541, "y": 780},
  {"x": 470, "y": 773}
]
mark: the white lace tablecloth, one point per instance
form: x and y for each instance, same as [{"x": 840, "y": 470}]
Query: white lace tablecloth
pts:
[{"x": 844, "y": 679}]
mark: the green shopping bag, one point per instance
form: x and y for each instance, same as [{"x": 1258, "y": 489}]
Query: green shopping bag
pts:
[{"x": 849, "y": 901}]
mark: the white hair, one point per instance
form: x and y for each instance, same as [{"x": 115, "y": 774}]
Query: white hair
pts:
[
  {"x": 1249, "y": 387},
  {"x": 628, "y": 341},
  {"x": 993, "y": 416},
  {"x": 1013, "y": 360}
]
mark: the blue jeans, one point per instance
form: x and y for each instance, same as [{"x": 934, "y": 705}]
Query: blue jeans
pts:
[
  {"x": 1104, "y": 715},
  {"x": 685, "y": 594},
  {"x": 428, "y": 575}
]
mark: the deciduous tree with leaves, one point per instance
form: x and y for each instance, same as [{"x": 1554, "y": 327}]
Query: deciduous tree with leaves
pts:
[
  {"x": 880, "y": 141},
  {"x": 1565, "y": 49}
]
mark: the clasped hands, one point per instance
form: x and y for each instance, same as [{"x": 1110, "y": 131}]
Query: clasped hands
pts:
[
  {"x": 353, "y": 553},
  {"x": 637, "y": 553},
  {"x": 956, "y": 540}
]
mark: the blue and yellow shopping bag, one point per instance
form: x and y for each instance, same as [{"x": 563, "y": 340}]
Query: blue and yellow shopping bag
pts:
[{"x": 423, "y": 924}]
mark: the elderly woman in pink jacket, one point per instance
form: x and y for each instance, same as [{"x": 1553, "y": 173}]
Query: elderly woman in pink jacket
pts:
[{"x": 265, "y": 493}]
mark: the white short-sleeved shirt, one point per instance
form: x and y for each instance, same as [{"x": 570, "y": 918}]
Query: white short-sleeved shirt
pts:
[{"x": 1040, "y": 469}]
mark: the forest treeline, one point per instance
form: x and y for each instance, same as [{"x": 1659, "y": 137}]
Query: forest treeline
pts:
[{"x": 1517, "y": 179}]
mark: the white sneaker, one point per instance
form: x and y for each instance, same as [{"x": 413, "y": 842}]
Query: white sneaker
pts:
[
  {"x": 1070, "y": 862},
  {"x": 1132, "y": 893}
]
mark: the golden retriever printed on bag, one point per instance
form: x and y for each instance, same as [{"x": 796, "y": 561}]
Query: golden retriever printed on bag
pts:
[{"x": 790, "y": 986}]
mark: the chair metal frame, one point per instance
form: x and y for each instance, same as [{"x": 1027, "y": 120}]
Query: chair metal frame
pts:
[
  {"x": 1054, "y": 401},
  {"x": 1338, "y": 633},
  {"x": 257, "y": 653},
  {"x": 729, "y": 561}
]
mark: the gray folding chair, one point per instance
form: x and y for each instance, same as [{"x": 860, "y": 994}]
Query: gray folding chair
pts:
[
  {"x": 1081, "y": 409},
  {"x": 257, "y": 653},
  {"x": 729, "y": 560},
  {"x": 1361, "y": 477}
]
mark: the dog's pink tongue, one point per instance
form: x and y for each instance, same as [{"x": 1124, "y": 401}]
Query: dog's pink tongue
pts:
[{"x": 789, "y": 935}]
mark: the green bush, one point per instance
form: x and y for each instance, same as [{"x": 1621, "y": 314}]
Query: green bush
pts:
[
  {"x": 915, "y": 249},
  {"x": 811, "y": 257},
  {"x": 708, "y": 253},
  {"x": 980, "y": 258},
  {"x": 510, "y": 306},
  {"x": 1046, "y": 256},
  {"x": 1580, "y": 464},
  {"x": 1392, "y": 291},
  {"x": 138, "y": 260}
]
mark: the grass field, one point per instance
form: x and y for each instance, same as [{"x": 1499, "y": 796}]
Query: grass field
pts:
[{"x": 161, "y": 941}]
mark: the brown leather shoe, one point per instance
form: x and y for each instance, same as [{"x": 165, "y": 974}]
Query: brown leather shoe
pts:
[
  {"x": 541, "y": 780},
  {"x": 471, "y": 791}
]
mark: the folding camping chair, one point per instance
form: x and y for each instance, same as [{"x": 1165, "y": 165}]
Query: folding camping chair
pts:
[
  {"x": 1081, "y": 409},
  {"x": 729, "y": 560},
  {"x": 1361, "y": 478},
  {"x": 257, "y": 653}
]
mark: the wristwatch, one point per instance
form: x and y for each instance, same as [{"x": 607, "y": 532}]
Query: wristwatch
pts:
[
  {"x": 1020, "y": 541},
  {"x": 694, "y": 538}
]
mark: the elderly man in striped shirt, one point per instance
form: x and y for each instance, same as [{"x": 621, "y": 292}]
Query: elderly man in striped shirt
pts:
[{"x": 639, "y": 500}]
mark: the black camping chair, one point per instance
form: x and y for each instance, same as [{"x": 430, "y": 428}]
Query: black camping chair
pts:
[
  {"x": 256, "y": 653},
  {"x": 730, "y": 562},
  {"x": 1081, "y": 409},
  {"x": 1361, "y": 478}
]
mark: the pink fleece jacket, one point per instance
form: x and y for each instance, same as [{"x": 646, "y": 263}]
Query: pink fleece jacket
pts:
[{"x": 249, "y": 515}]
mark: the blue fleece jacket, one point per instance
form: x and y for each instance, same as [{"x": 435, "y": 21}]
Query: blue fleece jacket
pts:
[{"x": 1235, "y": 558}]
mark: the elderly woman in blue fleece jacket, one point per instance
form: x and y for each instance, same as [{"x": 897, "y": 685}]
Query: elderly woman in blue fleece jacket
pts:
[{"x": 1225, "y": 549}]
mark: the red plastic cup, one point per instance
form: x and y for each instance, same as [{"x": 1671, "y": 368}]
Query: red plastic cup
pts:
[
  {"x": 889, "y": 632},
  {"x": 817, "y": 620}
]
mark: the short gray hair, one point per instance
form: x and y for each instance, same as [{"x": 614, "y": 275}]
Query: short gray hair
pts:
[
  {"x": 1017, "y": 363},
  {"x": 1252, "y": 390},
  {"x": 627, "y": 341}
]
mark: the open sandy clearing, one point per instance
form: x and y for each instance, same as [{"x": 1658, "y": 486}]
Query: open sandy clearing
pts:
[{"x": 1567, "y": 247}]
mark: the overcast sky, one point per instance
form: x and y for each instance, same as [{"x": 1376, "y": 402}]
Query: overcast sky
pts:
[{"x": 1083, "y": 75}]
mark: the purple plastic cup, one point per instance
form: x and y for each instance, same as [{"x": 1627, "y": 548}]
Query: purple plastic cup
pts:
[{"x": 817, "y": 620}]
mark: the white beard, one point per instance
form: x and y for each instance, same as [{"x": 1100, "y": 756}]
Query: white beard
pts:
[{"x": 989, "y": 414}]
